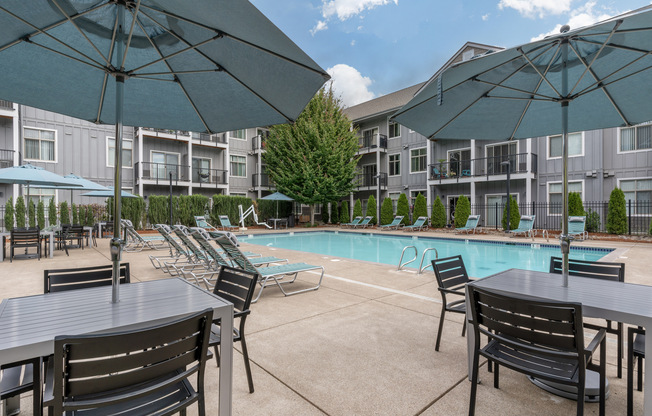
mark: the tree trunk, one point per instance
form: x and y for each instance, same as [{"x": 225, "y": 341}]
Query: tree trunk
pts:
[{"x": 312, "y": 215}]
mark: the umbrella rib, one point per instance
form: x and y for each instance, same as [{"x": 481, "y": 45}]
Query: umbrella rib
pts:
[
  {"x": 131, "y": 32},
  {"x": 166, "y": 57},
  {"x": 95, "y": 65},
  {"x": 171, "y": 72},
  {"x": 543, "y": 96},
  {"x": 101, "y": 103},
  {"x": 537, "y": 69}
]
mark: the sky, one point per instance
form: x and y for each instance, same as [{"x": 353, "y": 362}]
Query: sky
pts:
[{"x": 376, "y": 47}]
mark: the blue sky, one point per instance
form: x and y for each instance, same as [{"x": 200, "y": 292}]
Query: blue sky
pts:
[{"x": 375, "y": 47}]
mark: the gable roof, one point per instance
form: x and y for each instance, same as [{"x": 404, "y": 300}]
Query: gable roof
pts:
[{"x": 385, "y": 104}]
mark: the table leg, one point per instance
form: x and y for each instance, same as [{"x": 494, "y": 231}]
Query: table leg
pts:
[
  {"x": 470, "y": 335},
  {"x": 226, "y": 364},
  {"x": 51, "y": 245},
  {"x": 647, "y": 387},
  {"x": 2, "y": 252}
]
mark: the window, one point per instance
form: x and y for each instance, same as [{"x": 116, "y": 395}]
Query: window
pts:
[
  {"x": 554, "y": 195},
  {"x": 459, "y": 162},
  {"x": 575, "y": 145},
  {"x": 201, "y": 170},
  {"x": 394, "y": 197},
  {"x": 394, "y": 129},
  {"x": 40, "y": 194},
  {"x": 369, "y": 137},
  {"x": 165, "y": 163},
  {"x": 636, "y": 138},
  {"x": 239, "y": 134},
  {"x": 418, "y": 160},
  {"x": 496, "y": 154},
  {"x": 40, "y": 144},
  {"x": 127, "y": 148},
  {"x": 395, "y": 164},
  {"x": 238, "y": 166},
  {"x": 639, "y": 191},
  {"x": 369, "y": 173}
]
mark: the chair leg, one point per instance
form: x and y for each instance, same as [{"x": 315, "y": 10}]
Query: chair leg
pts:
[
  {"x": 603, "y": 376},
  {"x": 630, "y": 372},
  {"x": 620, "y": 349},
  {"x": 217, "y": 355},
  {"x": 441, "y": 327},
  {"x": 474, "y": 382},
  {"x": 639, "y": 386},
  {"x": 245, "y": 354},
  {"x": 496, "y": 376},
  {"x": 464, "y": 327}
]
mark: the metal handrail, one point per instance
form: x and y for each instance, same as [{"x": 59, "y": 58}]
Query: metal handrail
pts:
[
  {"x": 416, "y": 254},
  {"x": 421, "y": 269}
]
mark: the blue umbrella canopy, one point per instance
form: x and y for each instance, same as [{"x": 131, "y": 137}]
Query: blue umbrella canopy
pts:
[
  {"x": 34, "y": 175},
  {"x": 108, "y": 193},
  {"x": 79, "y": 183},
  {"x": 277, "y": 196}
]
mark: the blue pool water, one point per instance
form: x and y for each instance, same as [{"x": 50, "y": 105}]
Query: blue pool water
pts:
[{"x": 482, "y": 258}]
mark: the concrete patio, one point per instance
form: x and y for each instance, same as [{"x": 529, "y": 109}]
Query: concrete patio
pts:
[{"x": 363, "y": 344}]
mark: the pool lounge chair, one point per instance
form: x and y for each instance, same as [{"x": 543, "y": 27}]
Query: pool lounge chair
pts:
[
  {"x": 525, "y": 227},
  {"x": 201, "y": 221},
  {"x": 364, "y": 223},
  {"x": 394, "y": 225},
  {"x": 355, "y": 221},
  {"x": 226, "y": 223},
  {"x": 471, "y": 225},
  {"x": 419, "y": 225},
  {"x": 177, "y": 253},
  {"x": 136, "y": 242},
  {"x": 576, "y": 227},
  {"x": 272, "y": 274}
]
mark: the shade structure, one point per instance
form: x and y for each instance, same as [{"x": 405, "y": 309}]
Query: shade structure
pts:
[
  {"x": 108, "y": 193},
  {"x": 31, "y": 175},
  {"x": 79, "y": 183},
  {"x": 590, "y": 78},
  {"x": 277, "y": 196},
  {"x": 204, "y": 66}
]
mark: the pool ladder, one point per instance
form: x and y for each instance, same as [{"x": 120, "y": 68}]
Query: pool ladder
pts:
[{"x": 416, "y": 254}]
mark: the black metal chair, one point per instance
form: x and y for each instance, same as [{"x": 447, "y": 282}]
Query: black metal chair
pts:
[
  {"x": 451, "y": 278},
  {"x": 635, "y": 352},
  {"x": 58, "y": 280},
  {"x": 138, "y": 372},
  {"x": 107, "y": 229},
  {"x": 597, "y": 270},
  {"x": 18, "y": 378},
  {"x": 541, "y": 339},
  {"x": 74, "y": 236},
  {"x": 236, "y": 286},
  {"x": 25, "y": 238}
]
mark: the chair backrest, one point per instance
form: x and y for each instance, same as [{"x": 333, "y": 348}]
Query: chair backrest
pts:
[
  {"x": 126, "y": 367},
  {"x": 235, "y": 254},
  {"x": 472, "y": 221},
  {"x": 585, "y": 268},
  {"x": 526, "y": 222},
  {"x": 165, "y": 231},
  {"x": 397, "y": 220},
  {"x": 236, "y": 286},
  {"x": 450, "y": 272},
  {"x": 224, "y": 219},
  {"x": 420, "y": 221},
  {"x": 576, "y": 224},
  {"x": 201, "y": 221},
  {"x": 549, "y": 328},
  {"x": 181, "y": 232},
  {"x": 356, "y": 220},
  {"x": 25, "y": 236},
  {"x": 366, "y": 220},
  {"x": 58, "y": 280},
  {"x": 201, "y": 236}
]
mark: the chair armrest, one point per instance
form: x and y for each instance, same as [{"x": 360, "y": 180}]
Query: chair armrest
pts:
[{"x": 593, "y": 345}]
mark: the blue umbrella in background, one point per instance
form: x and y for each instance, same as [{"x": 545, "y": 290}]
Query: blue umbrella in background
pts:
[
  {"x": 109, "y": 192},
  {"x": 78, "y": 183},
  {"x": 277, "y": 196},
  {"x": 31, "y": 175}
]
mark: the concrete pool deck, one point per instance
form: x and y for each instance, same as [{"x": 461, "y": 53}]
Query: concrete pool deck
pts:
[{"x": 363, "y": 344}]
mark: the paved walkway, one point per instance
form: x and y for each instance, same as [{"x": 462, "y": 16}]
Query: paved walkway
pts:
[{"x": 363, "y": 344}]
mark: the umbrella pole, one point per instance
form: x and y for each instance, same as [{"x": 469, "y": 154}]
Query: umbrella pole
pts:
[{"x": 564, "y": 239}]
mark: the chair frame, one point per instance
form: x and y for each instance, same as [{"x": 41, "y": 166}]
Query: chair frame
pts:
[
  {"x": 18, "y": 378},
  {"x": 528, "y": 232},
  {"x": 25, "y": 238},
  {"x": 420, "y": 224},
  {"x": 469, "y": 227},
  {"x": 635, "y": 355},
  {"x": 452, "y": 277},
  {"x": 366, "y": 222},
  {"x": 395, "y": 224},
  {"x": 583, "y": 234},
  {"x": 226, "y": 225},
  {"x": 58, "y": 280},
  {"x": 353, "y": 222}
]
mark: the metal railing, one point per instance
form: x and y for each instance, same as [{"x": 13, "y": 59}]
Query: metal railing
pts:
[
  {"x": 208, "y": 177},
  {"x": 177, "y": 133},
  {"x": 6, "y": 105},
  {"x": 262, "y": 180},
  {"x": 375, "y": 141},
  {"x": 6, "y": 158},
  {"x": 258, "y": 142},
  {"x": 368, "y": 180},
  {"x": 209, "y": 138},
  {"x": 483, "y": 167},
  {"x": 160, "y": 172}
]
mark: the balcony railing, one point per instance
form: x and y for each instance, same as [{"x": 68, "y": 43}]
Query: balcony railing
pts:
[
  {"x": 6, "y": 158},
  {"x": 208, "y": 177},
  {"x": 6, "y": 105},
  {"x": 258, "y": 142},
  {"x": 184, "y": 134},
  {"x": 262, "y": 180},
  {"x": 485, "y": 166},
  {"x": 209, "y": 138},
  {"x": 369, "y": 180},
  {"x": 160, "y": 172},
  {"x": 375, "y": 141}
]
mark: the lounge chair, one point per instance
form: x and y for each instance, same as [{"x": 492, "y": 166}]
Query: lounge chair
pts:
[
  {"x": 271, "y": 274},
  {"x": 394, "y": 225},
  {"x": 355, "y": 221},
  {"x": 197, "y": 258},
  {"x": 525, "y": 226},
  {"x": 471, "y": 225},
  {"x": 201, "y": 221},
  {"x": 226, "y": 223},
  {"x": 137, "y": 242},
  {"x": 419, "y": 225},
  {"x": 364, "y": 223},
  {"x": 576, "y": 227},
  {"x": 177, "y": 253}
]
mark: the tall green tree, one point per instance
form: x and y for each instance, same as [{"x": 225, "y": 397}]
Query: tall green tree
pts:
[
  {"x": 9, "y": 214},
  {"x": 438, "y": 218},
  {"x": 372, "y": 210},
  {"x": 386, "y": 212},
  {"x": 616, "y": 213},
  {"x": 514, "y": 216},
  {"x": 403, "y": 208},
  {"x": 462, "y": 211},
  {"x": 52, "y": 212},
  {"x": 420, "y": 206},
  {"x": 314, "y": 159},
  {"x": 344, "y": 213},
  {"x": 357, "y": 208},
  {"x": 20, "y": 212},
  {"x": 575, "y": 205},
  {"x": 31, "y": 213},
  {"x": 40, "y": 214}
]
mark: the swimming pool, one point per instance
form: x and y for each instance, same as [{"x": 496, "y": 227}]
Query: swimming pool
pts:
[{"x": 481, "y": 257}]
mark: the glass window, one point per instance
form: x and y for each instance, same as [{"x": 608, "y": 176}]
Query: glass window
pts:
[
  {"x": 127, "y": 148},
  {"x": 574, "y": 145},
  {"x": 239, "y": 134},
  {"x": 554, "y": 195},
  {"x": 395, "y": 164},
  {"x": 394, "y": 129},
  {"x": 394, "y": 197},
  {"x": 39, "y": 144},
  {"x": 201, "y": 170},
  {"x": 238, "y": 166},
  {"x": 636, "y": 138},
  {"x": 164, "y": 164},
  {"x": 418, "y": 160},
  {"x": 639, "y": 191}
]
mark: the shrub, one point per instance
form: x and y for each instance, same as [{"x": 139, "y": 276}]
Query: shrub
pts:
[
  {"x": 344, "y": 213},
  {"x": 357, "y": 208},
  {"x": 372, "y": 210},
  {"x": 75, "y": 214},
  {"x": 20, "y": 212},
  {"x": 9, "y": 215},
  {"x": 228, "y": 205},
  {"x": 31, "y": 214},
  {"x": 268, "y": 209},
  {"x": 514, "y": 216},
  {"x": 386, "y": 212},
  {"x": 420, "y": 207},
  {"x": 40, "y": 215},
  {"x": 64, "y": 214},
  {"x": 616, "y": 213},
  {"x": 335, "y": 213},
  {"x": 592, "y": 221},
  {"x": 324, "y": 214},
  {"x": 438, "y": 217},
  {"x": 52, "y": 213},
  {"x": 575, "y": 206},
  {"x": 462, "y": 211},
  {"x": 90, "y": 216},
  {"x": 158, "y": 209},
  {"x": 403, "y": 208}
]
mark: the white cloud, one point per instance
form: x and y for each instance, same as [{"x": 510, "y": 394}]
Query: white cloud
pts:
[
  {"x": 321, "y": 25},
  {"x": 532, "y": 8},
  {"x": 350, "y": 85},
  {"x": 580, "y": 17},
  {"x": 485, "y": 17},
  {"x": 353, "y": 42},
  {"x": 345, "y": 9}
]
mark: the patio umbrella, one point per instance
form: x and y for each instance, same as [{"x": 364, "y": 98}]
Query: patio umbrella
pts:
[
  {"x": 277, "y": 196},
  {"x": 594, "y": 77},
  {"x": 34, "y": 175},
  {"x": 204, "y": 66},
  {"x": 79, "y": 183},
  {"x": 108, "y": 193}
]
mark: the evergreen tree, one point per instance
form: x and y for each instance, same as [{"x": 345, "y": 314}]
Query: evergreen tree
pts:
[
  {"x": 403, "y": 208},
  {"x": 75, "y": 214},
  {"x": 40, "y": 214},
  {"x": 438, "y": 217},
  {"x": 20, "y": 212},
  {"x": 462, "y": 211},
  {"x": 9, "y": 214},
  {"x": 575, "y": 206},
  {"x": 52, "y": 212},
  {"x": 514, "y": 216},
  {"x": 31, "y": 214},
  {"x": 420, "y": 207},
  {"x": 64, "y": 213},
  {"x": 386, "y": 212},
  {"x": 345, "y": 217},
  {"x": 372, "y": 210},
  {"x": 616, "y": 213},
  {"x": 357, "y": 208},
  {"x": 313, "y": 160}
]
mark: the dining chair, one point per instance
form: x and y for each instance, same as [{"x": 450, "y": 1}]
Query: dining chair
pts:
[
  {"x": 236, "y": 286},
  {"x": 542, "y": 339},
  {"x": 451, "y": 278},
  {"x": 25, "y": 238},
  {"x": 136, "y": 372},
  {"x": 598, "y": 270},
  {"x": 18, "y": 378},
  {"x": 58, "y": 280},
  {"x": 635, "y": 354}
]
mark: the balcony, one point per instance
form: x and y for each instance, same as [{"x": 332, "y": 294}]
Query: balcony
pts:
[
  {"x": 258, "y": 142},
  {"x": 159, "y": 173},
  {"x": 372, "y": 143},
  {"x": 6, "y": 158},
  {"x": 369, "y": 181},
  {"x": 166, "y": 133},
  {"x": 485, "y": 167},
  {"x": 261, "y": 180},
  {"x": 204, "y": 139},
  {"x": 206, "y": 178},
  {"x": 6, "y": 105}
]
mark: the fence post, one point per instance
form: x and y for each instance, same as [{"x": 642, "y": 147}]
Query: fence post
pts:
[
  {"x": 629, "y": 217},
  {"x": 496, "y": 211}
]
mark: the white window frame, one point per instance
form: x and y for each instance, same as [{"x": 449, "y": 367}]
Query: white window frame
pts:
[
  {"x": 394, "y": 200},
  {"x": 375, "y": 138},
  {"x": 581, "y": 154},
  {"x": 425, "y": 170},
  {"x": 178, "y": 164},
  {"x": 231, "y": 136},
  {"x": 244, "y": 194},
  {"x": 448, "y": 158},
  {"x": 412, "y": 200},
  {"x": 56, "y": 147},
  {"x": 389, "y": 124},
  {"x": 108, "y": 150},
  {"x": 245, "y": 163},
  {"x": 516, "y": 196},
  {"x": 389, "y": 164},
  {"x": 618, "y": 151},
  {"x": 487, "y": 146},
  {"x": 210, "y": 166},
  {"x": 633, "y": 179},
  {"x": 552, "y": 214}
]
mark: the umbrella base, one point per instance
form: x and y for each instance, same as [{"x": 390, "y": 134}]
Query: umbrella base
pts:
[{"x": 591, "y": 389}]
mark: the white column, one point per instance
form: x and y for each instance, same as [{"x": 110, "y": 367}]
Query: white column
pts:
[
  {"x": 529, "y": 175},
  {"x": 190, "y": 164},
  {"x": 473, "y": 201},
  {"x": 17, "y": 150},
  {"x": 140, "y": 161}
]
